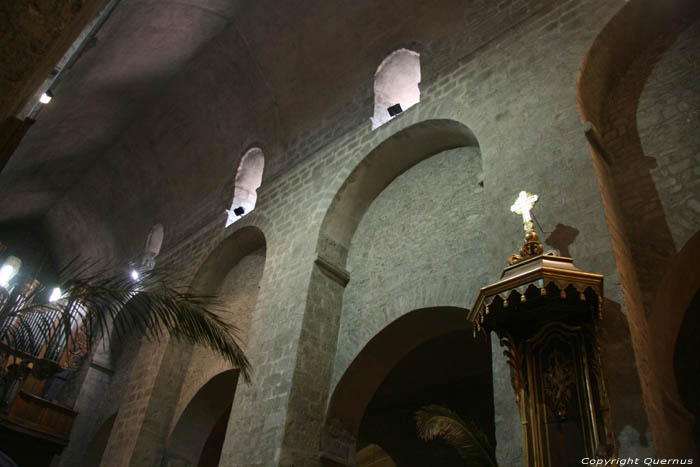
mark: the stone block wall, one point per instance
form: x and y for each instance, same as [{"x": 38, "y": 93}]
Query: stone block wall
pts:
[
  {"x": 417, "y": 246},
  {"x": 98, "y": 391},
  {"x": 238, "y": 296},
  {"x": 651, "y": 136},
  {"x": 515, "y": 90},
  {"x": 650, "y": 144}
]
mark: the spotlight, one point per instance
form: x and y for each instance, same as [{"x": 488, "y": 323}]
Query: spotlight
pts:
[
  {"x": 134, "y": 274},
  {"x": 6, "y": 273},
  {"x": 9, "y": 269},
  {"x": 239, "y": 211},
  {"x": 55, "y": 294},
  {"x": 46, "y": 97},
  {"x": 394, "y": 110}
]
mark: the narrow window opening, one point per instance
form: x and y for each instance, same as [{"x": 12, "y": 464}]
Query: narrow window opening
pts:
[
  {"x": 151, "y": 249},
  {"x": 396, "y": 85},
  {"x": 248, "y": 180}
]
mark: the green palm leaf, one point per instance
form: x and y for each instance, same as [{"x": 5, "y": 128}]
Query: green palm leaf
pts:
[
  {"x": 102, "y": 303},
  {"x": 472, "y": 444}
]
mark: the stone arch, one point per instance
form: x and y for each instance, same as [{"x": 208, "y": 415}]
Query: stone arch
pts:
[
  {"x": 94, "y": 451},
  {"x": 189, "y": 367},
  {"x": 214, "y": 274},
  {"x": 396, "y": 82},
  {"x": 632, "y": 29},
  {"x": 618, "y": 72},
  {"x": 388, "y": 160},
  {"x": 670, "y": 312},
  {"x": 373, "y": 364},
  {"x": 226, "y": 255},
  {"x": 106, "y": 385},
  {"x": 398, "y": 153},
  {"x": 248, "y": 179},
  {"x": 232, "y": 271},
  {"x": 197, "y": 437},
  {"x": 413, "y": 248}
]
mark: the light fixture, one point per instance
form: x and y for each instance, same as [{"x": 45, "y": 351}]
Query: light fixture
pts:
[
  {"x": 9, "y": 269},
  {"x": 6, "y": 273},
  {"x": 55, "y": 294},
  {"x": 134, "y": 274},
  {"x": 46, "y": 97},
  {"x": 394, "y": 110}
]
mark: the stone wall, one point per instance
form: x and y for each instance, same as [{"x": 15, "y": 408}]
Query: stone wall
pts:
[
  {"x": 100, "y": 391},
  {"x": 515, "y": 91},
  {"x": 557, "y": 146},
  {"x": 419, "y": 245},
  {"x": 651, "y": 135},
  {"x": 239, "y": 293},
  {"x": 650, "y": 143},
  {"x": 668, "y": 117}
]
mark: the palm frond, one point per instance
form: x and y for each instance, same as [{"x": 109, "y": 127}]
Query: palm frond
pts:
[
  {"x": 102, "y": 303},
  {"x": 433, "y": 422}
]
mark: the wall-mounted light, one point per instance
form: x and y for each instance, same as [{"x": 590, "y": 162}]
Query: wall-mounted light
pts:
[
  {"x": 9, "y": 269},
  {"x": 394, "y": 110},
  {"x": 134, "y": 274},
  {"x": 46, "y": 97},
  {"x": 55, "y": 294}
]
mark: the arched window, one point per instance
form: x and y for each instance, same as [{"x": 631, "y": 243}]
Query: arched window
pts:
[
  {"x": 396, "y": 85},
  {"x": 152, "y": 247},
  {"x": 248, "y": 180}
]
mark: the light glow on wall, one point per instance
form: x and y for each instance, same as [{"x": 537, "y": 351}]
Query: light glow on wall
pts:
[
  {"x": 55, "y": 294},
  {"x": 6, "y": 273},
  {"x": 9, "y": 269}
]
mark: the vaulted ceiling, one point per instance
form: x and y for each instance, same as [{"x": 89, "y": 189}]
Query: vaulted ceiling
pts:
[{"x": 291, "y": 66}]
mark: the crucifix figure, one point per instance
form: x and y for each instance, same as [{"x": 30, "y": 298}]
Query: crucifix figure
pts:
[{"x": 523, "y": 205}]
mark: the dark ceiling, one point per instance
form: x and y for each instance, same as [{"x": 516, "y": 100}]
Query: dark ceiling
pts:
[{"x": 149, "y": 113}]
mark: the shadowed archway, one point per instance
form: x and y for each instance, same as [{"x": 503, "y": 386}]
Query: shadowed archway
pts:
[
  {"x": 391, "y": 159},
  {"x": 93, "y": 454},
  {"x": 687, "y": 366},
  {"x": 226, "y": 255},
  {"x": 198, "y": 434},
  {"x": 427, "y": 356},
  {"x": 673, "y": 340}
]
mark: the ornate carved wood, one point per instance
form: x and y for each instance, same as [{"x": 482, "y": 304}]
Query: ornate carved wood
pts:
[{"x": 544, "y": 312}]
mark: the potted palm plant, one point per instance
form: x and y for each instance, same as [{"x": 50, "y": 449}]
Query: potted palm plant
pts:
[
  {"x": 46, "y": 329},
  {"x": 434, "y": 421}
]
